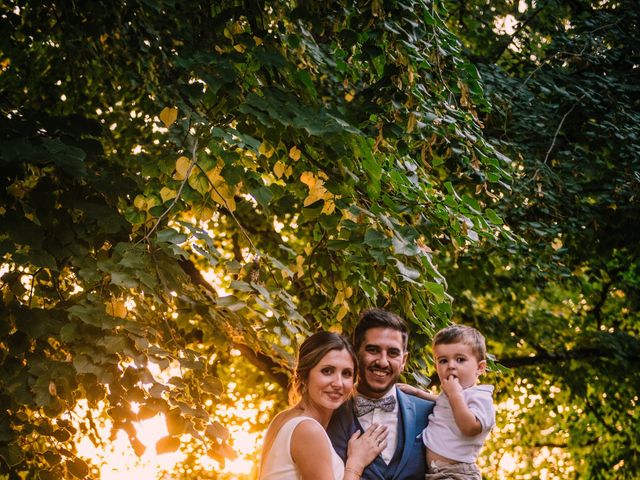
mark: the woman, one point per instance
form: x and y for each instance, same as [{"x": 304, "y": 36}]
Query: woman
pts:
[{"x": 296, "y": 445}]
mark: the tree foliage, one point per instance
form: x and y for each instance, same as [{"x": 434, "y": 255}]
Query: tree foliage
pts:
[
  {"x": 190, "y": 188},
  {"x": 182, "y": 180},
  {"x": 561, "y": 307}
]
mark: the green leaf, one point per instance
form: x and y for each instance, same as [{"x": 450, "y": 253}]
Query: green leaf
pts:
[
  {"x": 6, "y": 432},
  {"x": 52, "y": 458},
  {"x": 37, "y": 323},
  {"x": 124, "y": 280},
  {"x": 199, "y": 182},
  {"x": 338, "y": 244},
  {"x": 25, "y": 233},
  {"x": 114, "y": 343},
  {"x": 78, "y": 468},
  {"x": 409, "y": 274},
  {"x": 12, "y": 454},
  {"x": 61, "y": 435},
  {"x": 212, "y": 385},
  {"x": 83, "y": 364},
  {"x": 68, "y": 158},
  {"x": 493, "y": 217},
  {"x": 402, "y": 247},
  {"x": 48, "y": 475},
  {"x": 69, "y": 332},
  {"x": 170, "y": 235},
  {"x": 370, "y": 165},
  {"x": 241, "y": 286},
  {"x": 41, "y": 258},
  {"x": 376, "y": 239},
  {"x": 231, "y": 302},
  {"x": 437, "y": 290},
  {"x": 167, "y": 444},
  {"x": 262, "y": 195}
]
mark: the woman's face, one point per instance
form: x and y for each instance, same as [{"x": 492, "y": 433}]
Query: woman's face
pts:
[{"x": 331, "y": 381}]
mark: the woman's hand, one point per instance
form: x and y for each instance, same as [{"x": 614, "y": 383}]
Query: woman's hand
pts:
[{"x": 364, "y": 447}]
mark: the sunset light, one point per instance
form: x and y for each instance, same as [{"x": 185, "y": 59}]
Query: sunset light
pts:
[
  {"x": 115, "y": 458},
  {"x": 196, "y": 197}
]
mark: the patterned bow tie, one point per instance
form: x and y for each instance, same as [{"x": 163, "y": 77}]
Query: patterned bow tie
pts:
[{"x": 366, "y": 405}]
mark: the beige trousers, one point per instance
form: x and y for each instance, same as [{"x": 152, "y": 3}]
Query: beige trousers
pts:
[{"x": 452, "y": 471}]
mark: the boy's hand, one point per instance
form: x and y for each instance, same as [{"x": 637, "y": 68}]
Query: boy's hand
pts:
[
  {"x": 466, "y": 421},
  {"x": 451, "y": 386}
]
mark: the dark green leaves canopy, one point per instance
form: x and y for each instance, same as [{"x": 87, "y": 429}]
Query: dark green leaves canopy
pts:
[
  {"x": 181, "y": 179},
  {"x": 190, "y": 188}
]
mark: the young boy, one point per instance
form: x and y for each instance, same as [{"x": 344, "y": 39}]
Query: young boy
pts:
[{"x": 464, "y": 412}]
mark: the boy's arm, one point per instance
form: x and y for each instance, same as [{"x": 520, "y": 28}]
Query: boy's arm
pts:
[
  {"x": 416, "y": 392},
  {"x": 465, "y": 419}
]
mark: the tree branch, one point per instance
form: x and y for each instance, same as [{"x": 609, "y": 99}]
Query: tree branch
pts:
[
  {"x": 194, "y": 159},
  {"x": 261, "y": 361},
  {"x": 575, "y": 354},
  {"x": 555, "y": 136},
  {"x": 496, "y": 56}
]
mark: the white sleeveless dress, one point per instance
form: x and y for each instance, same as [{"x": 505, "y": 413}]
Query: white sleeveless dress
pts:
[{"x": 278, "y": 464}]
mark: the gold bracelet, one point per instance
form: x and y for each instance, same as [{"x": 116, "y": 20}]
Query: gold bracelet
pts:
[{"x": 355, "y": 472}]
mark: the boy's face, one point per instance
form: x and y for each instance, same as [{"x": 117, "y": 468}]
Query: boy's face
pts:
[{"x": 457, "y": 359}]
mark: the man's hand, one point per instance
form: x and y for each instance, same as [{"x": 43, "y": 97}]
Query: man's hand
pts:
[{"x": 416, "y": 392}]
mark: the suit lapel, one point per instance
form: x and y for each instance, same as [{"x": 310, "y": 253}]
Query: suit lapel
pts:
[{"x": 408, "y": 413}]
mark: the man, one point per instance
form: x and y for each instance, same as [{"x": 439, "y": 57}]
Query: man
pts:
[{"x": 380, "y": 340}]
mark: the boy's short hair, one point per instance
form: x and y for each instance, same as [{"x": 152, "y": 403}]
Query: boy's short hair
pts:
[{"x": 463, "y": 334}]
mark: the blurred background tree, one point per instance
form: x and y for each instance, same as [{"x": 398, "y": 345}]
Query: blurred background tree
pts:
[
  {"x": 190, "y": 188},
  {"x": 561, "y": 308}
]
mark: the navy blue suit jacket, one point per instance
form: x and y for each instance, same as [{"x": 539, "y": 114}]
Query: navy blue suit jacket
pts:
[{"x": 410, "y": 464}]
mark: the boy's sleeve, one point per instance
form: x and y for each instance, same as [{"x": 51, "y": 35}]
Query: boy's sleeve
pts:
[{"x": 481, "y": 405}]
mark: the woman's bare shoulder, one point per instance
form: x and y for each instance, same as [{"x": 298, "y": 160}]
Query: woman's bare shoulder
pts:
[
  {"x": 307, "y": 430},
  {"x": 311, "y": 450},
  {"x": 283, "y": 416},
  {"x": 277, "y": 422}
]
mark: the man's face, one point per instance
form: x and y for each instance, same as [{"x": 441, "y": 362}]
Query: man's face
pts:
[{"x": 382, "y": 359}]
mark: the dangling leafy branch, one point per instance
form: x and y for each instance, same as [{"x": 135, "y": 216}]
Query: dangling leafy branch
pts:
[{"x": 308, "y": 162}]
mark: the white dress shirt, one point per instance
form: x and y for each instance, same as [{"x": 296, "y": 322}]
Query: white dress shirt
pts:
[{"x": 390, "y": 419}]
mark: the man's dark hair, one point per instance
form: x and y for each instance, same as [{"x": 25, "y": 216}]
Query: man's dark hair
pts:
[{"x": 377, "y": 317}]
